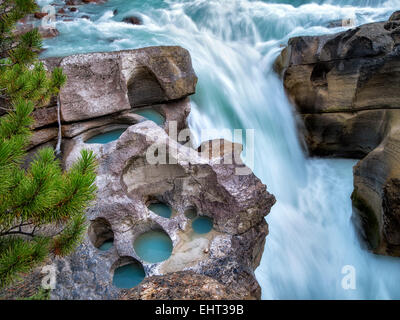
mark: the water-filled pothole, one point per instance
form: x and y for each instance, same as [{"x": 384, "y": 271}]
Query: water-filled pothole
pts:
[
  {"x": 106, "y": 137},
  {"x": 202, "y": 225},
  {"x": 101, "y": 234},
  {"x": 161, "y": 209},
  {"x": 152, "y": 115},
  {"x": 153, "y": 246},
  {"x": 106, "y": 245},
  {"x": 129, "y": 274},
  {"x": 191, "y": 213}
]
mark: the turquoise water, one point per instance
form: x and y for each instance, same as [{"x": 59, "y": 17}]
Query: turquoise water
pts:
[
  {"x": 161, "y": 209},
  {"x": 202, "y": 225},
  {"x": 106, "y": 245},
  {"x": 152, "y": 115},
  {"x": 153, "y": 246},
  {"x": 106, "y": 137},
  {"x": 128, "y": 276},
  {"x": 233, "y": 44}
]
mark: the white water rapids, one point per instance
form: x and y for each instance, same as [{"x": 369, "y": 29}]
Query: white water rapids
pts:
[{"x": 233, "y": 44}]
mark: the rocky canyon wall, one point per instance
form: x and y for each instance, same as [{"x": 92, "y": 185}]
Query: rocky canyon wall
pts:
[{"x": 346, "y": 88}]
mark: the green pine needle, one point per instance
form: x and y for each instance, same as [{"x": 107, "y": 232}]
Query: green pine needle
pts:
[{"x": 42, "y": 194}]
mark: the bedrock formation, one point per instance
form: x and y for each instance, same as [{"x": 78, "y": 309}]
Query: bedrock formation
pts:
[
  {"x": 104, "y": 92},
  {"x": 346, "y": 87}
]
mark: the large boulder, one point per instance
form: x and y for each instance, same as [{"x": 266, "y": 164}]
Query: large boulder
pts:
[
  {"x": 102, "y": 87},
  {"x": 107, "y": 91},
  {"x": 346, "y": 88},
  {"x": 128, "y": 180},
  {"x": 100, "y": 84},
  {"x": 183, "y": 285}
]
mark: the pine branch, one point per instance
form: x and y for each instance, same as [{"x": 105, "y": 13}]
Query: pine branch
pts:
[
  {"x": 67, "y": 240},
  {"x": 42, "y": 193}
]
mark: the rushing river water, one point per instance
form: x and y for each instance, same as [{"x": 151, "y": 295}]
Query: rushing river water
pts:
[{"x": 233, "y": 44}]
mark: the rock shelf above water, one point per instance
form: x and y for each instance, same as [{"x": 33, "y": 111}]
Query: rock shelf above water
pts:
[{"x": 115, "y": 88}]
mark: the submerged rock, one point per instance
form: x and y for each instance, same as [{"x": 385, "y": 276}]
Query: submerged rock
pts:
[
  {"x": 132, "y": 20},
  {"x": 48, "y": 32},
  {"x": 81, "y": 2},
  {"x": 40, "y": 15},
  {"x": 346, "y": 88},
  {"x": 341, "y": 23},
  {"x": 93, "y": 1}
]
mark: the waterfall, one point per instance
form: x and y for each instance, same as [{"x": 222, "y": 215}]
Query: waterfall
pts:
[
  {"x": 59, "y": 138},
  {"x": 233, "y": 44}
]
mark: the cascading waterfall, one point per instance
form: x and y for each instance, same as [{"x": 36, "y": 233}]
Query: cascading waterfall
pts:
[
  {"x": 59, "y": 138},
  {"x": 233, "y": 44}
]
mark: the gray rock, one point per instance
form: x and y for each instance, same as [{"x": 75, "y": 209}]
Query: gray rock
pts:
[
  {"x": 103, "y": 92},
  {"x": 128, "y": 181},
  {"x": 102, "y": 88}
]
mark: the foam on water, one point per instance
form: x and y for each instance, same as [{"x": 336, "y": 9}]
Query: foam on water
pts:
[{"x": 233, "y": 44}]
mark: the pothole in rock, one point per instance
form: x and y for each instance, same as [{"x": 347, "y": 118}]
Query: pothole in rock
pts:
[
  {"x": 101, "y": 234},
  {"x": 106, "y": 245},
  {"x": 106, "y": 137},
  {"x": 161, "y": 209},
  {"x": 190, "y": 213},
  {"x": 202, "y": 224},
  {"x": 153, "y": 246},
  {"x": 152, "y": 115},
  {"x": 128, "y": 273}
]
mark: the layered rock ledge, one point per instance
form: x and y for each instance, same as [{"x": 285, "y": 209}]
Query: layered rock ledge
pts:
[
  {"x": 346, "y": 88},
  {"x": 103, "y": 88},
  {"x": 103, "y": 92}
]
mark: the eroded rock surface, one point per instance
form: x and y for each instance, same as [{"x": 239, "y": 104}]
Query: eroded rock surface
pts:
[
  {"x": 103, "y": 88},
  {"x": 346, "y": 88},
  {"x": 183, "y": 285},
  {"x": 147, "y": 164},
  {"x": 100, "y": 84}
]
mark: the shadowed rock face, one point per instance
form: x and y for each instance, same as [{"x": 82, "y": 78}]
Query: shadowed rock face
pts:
[{"x": 346, "y": 88}]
